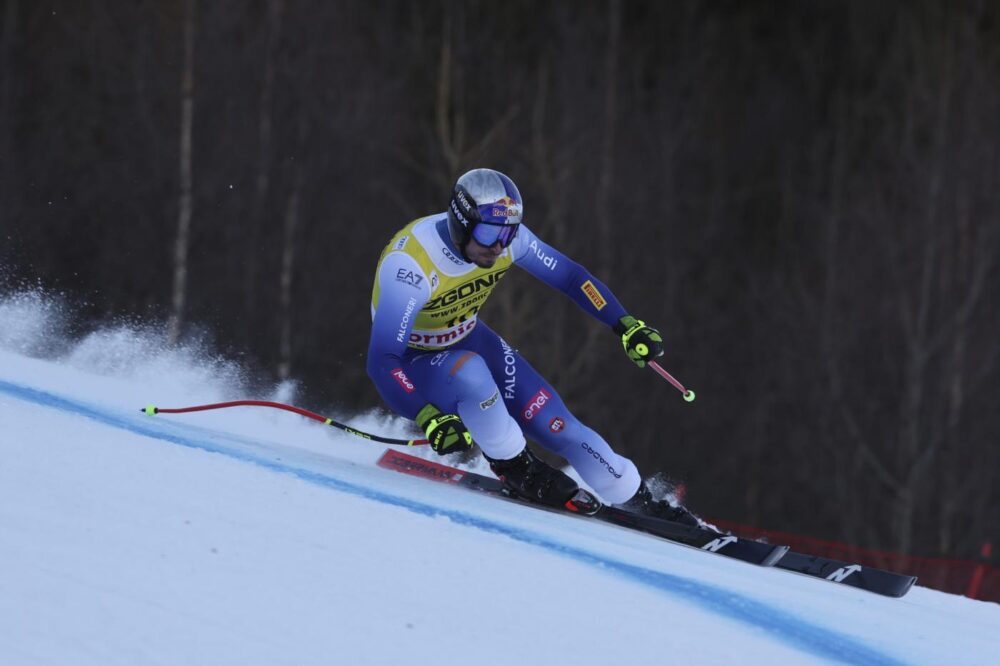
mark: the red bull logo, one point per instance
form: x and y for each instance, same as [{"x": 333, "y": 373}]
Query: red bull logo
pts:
[{"x": 505, "y": 207}]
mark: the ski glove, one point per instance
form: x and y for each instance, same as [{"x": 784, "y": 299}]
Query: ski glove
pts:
[
  {"x": 445, "y": 432},
  {"x": 641, "y": 342}
]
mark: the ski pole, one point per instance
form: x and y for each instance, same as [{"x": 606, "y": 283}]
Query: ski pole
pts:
[
  {"x": 687, "y": 393},
  {"x": 153, "y": 410}
]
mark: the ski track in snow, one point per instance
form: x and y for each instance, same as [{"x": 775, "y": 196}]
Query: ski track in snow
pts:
[{"x": 795, "y": 631}]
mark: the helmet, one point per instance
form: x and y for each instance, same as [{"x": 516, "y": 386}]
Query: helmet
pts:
[{"x": 485, "y": 205}]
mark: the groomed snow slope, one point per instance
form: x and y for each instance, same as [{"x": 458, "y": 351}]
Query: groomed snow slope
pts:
[{"x": 251, "y": 536}]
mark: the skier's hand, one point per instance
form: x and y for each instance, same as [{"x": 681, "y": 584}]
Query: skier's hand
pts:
[
  {"x": 445, "y": 432},
  {"x": 642, "y": 343}
]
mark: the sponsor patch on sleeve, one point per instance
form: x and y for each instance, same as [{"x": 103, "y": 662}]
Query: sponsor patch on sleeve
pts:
[
  {"x": 593, "y": 295},
  {"x": 403, "y": 380},
  {"x": 489, "y": 402},
  {"x": 409, "y": 277}
]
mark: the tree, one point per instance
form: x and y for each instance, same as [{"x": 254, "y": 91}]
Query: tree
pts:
[{"x": 182, "y": 239}]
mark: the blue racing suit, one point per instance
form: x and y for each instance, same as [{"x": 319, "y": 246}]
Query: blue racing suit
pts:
[{"x": 428, "y": 346}]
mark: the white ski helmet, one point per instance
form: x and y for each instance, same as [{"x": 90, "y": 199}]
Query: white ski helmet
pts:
[{"x": 485, "y": 205}]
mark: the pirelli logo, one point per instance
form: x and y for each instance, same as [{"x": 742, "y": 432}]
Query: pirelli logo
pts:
[{"x": 593, "y": 294}]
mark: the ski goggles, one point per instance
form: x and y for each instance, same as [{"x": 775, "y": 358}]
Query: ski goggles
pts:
[
  {"x": 498, "y": 222},
  {"x": 489, "y": 233}
]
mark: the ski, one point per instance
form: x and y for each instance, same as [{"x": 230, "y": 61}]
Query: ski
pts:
[
  {"x": 705, "y": 538},
  {"x": 879, "y": 581},
  {"x": 585, "y": 504}
]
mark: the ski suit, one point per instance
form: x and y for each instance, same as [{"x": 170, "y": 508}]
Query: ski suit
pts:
[{"x": 429, "y": 346}]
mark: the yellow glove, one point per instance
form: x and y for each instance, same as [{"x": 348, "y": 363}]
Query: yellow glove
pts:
[
  {"x": 445, "y": 432},
  {"x": 642, "y": 343}
]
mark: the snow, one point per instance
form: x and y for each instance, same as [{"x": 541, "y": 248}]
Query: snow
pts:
[{"x": 253, "y": 536}]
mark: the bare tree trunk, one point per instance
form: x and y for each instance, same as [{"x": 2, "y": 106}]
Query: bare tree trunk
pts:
[
  {"x": 605, "y": 180},
  {"x": 262, "y": 180},
  {"x": 449, "y": 122},
  {"x": 586, "y": 353},
  {"x": 960, "y": 270},
  {"x": 184, "y": 205},
  {"x": 918, "y": 446},
  {"x": 7, "y": 48},
  {"x": 838, "y": 407},
  {"x": 287, "y": 274},
  {"x": 450, "y": 118}
]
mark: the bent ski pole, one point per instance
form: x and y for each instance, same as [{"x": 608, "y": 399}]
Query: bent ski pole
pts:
[
  {"x": 153, "y": 410},
  {"x": 687, "y": 393}
]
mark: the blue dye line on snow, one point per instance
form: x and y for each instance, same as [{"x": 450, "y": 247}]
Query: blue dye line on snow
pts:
[{"x": 781, "y": 625}]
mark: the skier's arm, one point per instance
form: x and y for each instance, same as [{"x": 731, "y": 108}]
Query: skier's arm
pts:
[
  {"x": 403, "y": 291},
  {"x": 560, "y": 272},
  {"x": 642, "y": 343}
]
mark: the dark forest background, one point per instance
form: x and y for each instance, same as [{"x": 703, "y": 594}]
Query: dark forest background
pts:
[{"x": 803, "y": 197}]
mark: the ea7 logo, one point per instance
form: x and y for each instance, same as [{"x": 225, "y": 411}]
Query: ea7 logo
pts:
[
  {"x": 557, "y": 424},
  {"x": 409, "y": 277},
  {"x": 840, "y": 574},
  {"x": 715, "y": 545}
]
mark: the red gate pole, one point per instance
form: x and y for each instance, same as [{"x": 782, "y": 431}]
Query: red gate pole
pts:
[{"x": 977, "y": 575}]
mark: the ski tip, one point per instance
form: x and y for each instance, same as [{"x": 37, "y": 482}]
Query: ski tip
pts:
[{"x": 151, "y": 410}]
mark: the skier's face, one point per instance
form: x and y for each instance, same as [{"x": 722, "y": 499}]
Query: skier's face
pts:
[{"x": 481, "y": 255}]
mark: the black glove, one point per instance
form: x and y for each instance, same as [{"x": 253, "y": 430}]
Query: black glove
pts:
[
  {"x": 445, "y": 432},
  {"x": 641, "y": 342}
]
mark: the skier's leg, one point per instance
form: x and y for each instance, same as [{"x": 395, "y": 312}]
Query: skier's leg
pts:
[
  {"x": 612, "y": 476},
  {"x": 545, "y": 419},
  {"x": 458, "y": 381}
]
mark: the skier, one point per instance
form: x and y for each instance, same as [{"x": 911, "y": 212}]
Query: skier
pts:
[{"x": 433, "y": 360}]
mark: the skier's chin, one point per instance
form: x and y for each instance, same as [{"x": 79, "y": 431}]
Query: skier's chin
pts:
[{"x": 485, "y": 262}]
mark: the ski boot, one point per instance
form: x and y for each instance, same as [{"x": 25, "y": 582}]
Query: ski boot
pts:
[
  {"x": 527, "y": 477},
  {"x": 643, "y": 503}
]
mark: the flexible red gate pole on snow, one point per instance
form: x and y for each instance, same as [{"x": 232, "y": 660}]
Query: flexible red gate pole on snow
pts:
[{"x": 153, "y": 410}]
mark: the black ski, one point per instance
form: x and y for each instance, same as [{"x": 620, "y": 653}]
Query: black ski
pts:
[
  {"x": 585, "y": 504},
  {"x": 878, "y": 581}
]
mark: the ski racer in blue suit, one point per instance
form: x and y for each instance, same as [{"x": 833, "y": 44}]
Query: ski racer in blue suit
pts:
[{"x": 433, "y": 360}]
